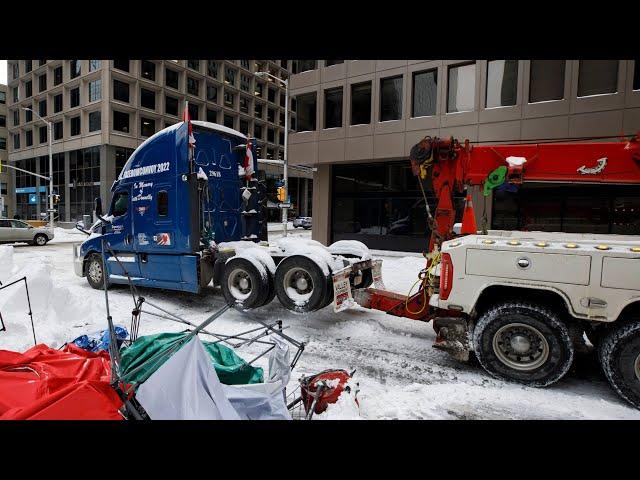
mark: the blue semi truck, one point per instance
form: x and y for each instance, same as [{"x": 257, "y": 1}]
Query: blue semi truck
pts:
[{"x": 184, "y": 215}]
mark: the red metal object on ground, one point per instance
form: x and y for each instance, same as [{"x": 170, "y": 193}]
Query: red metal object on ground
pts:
[
  {"x": 454, "y": 166},
  {"x": 47, "y": 384},
  {"x": 312, "y": 386}
]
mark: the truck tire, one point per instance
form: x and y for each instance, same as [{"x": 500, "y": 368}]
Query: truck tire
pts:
[
  {"x": 243, "y": 284},
  {"x": 620, "y": 360},
  {"x": 524, "y": 343},
  {"x": 95, "y": 271},
  {"x": 272, "y": 290},
  {"x": 301, "y": 285},
  {"x": 40, "y": 240},
  {"x": 328, "y": 298}
]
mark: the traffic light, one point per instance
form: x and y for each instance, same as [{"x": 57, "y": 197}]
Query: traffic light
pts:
[{"x": 282, "y": 194}]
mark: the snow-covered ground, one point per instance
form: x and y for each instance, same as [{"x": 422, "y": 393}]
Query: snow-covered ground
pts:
[{"x": 399, "y": 374}]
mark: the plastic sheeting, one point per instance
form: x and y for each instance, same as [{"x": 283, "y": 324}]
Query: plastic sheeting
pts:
[
  {"x": 230, "y": 368},
  {"x": 97, "y": 341},
  {"x": 47, "y": 384}
]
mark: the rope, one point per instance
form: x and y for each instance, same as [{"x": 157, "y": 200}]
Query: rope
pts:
[{"x": 426, "y": 276}]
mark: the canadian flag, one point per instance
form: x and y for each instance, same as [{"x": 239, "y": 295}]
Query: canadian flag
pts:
[
  {"x": 192, "y": 139},
  {"x": 248, "y": 162}
]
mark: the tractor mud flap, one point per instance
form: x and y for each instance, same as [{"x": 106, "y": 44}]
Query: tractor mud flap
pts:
[{"x": 453, "y": 337}]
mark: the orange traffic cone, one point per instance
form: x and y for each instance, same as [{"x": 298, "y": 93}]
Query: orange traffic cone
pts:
[{"x": 468, "y": 218}]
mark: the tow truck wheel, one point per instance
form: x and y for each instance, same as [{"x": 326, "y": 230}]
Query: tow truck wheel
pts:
[
  {"x": 301, "y": 285},
  {"x": 523, "y": 342},
  {"x": 243, "y": 284},
  {"x": 95, "y": 271},
  {"x": 620, "y": 360}
]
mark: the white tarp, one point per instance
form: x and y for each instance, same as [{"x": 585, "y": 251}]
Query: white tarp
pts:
[{"x": 186, "y": 387}]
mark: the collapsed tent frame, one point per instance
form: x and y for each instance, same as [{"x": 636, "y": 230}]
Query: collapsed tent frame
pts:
[{"x": 33, "y": 328}]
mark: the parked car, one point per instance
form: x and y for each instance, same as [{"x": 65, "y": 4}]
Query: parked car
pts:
[
  {"x": 12, "y": 231},
  {"x": 304, "y": 222}
]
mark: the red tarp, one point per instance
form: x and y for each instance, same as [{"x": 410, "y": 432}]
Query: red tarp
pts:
[{"x": 47, "y": 384}]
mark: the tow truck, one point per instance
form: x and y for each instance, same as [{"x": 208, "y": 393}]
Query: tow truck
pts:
[{"x": 523, "y": 301}]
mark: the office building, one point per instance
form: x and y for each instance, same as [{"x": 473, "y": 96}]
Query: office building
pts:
[{"x": 6, "y": 179}]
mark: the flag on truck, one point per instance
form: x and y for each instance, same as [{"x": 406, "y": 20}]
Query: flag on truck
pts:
[
  {"x": 192, "y": 139},
  {"x": 248, "y": 162}
]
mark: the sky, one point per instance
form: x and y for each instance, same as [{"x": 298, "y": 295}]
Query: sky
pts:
[{"x": 3, "y": 72}]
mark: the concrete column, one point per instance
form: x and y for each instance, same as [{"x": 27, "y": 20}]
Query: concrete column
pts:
[
  {"x": 322, "y": 203},
  {"x": 305, "y": 197},
  {"x": 107, "y": 172}
]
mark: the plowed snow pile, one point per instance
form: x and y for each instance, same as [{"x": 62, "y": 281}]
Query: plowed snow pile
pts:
[{"x": 56, "y": 309}]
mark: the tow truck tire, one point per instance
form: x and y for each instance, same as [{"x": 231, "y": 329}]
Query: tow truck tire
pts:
[
  {"x": 243, "y": 284},
  {"x": 95, "y": 271},
  {"x": 620, "y": 360},
  {"x": 524, "y": 343},
  {"x": 301, "y": 285},
  {"x": 40, "y": 240}
]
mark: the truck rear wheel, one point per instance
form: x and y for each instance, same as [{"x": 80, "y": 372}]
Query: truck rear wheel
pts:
[
  {"x": 301, "y": 285},
  {"x": 243, "y": 284},
  {"x": 524, "y": 343},
  {"x": 95, "y": 271},
  {"x": 620, "y": 360}
]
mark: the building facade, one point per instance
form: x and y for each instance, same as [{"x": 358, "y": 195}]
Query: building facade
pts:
[
  {"x": 357, "y": 121},
  {"x": 101, "y": 110},
  {"x": 6, "y": 179}
]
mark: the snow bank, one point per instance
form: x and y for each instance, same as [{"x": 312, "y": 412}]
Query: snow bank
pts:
[
  {"x": 63, "y": 235},
  {"x": 60, "y": 314}
]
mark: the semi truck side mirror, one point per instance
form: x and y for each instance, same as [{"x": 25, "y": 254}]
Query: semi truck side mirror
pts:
[{"x": 98, "y": 207}]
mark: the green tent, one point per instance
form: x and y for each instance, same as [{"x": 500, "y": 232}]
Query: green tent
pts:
[{"x": 231, "y": 369}]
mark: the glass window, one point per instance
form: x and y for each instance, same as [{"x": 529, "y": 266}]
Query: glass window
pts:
[
  {"x": 28, "y": 116},
  {"x": 425, "y": 93},
  {"x": 271, "y": 115},
  {"x": 306, "y": 112},
  {"x": 228, "y": 99},
  {"x": 3, "y": 188},
  {"x": 75, "y": 126},
  {"x": 300, "y": 66},
  {"x": 244, "y": 64},
  {"x": 258, "y": 110},
  {"x": 122, "y": 155},
  {"x": 333, "y": 108},
  {"x": 120, "y": 91},
  {"x": 75, "y": 68},
  {"x": 271, "y": 95},
  {"x": 94, "y": 65},
  {"x": 636, "y": 74},
  {"x": 171, "y": 106},
  {"x": 15, "y": 94},
  {"x": 94, "y": 121},
  {"x": 193, "y": 64},
  {"x": 14, "y": 70},
  {"x": 360, "y": 103},
  {"x": 121, "y": 65},
  {"x": 147, "y": 126},
  {"x": 58, "y": 130},
  {"x": 228, "y": 121},
  {"x": 74, "y": 97},
  {"x": 258, "y": 89},
  {"x": 121, "y": 121},
  {"x": 42, "y": 82},
  {"x": 597, "y": 77},
  {"x": 28, "y": 66},
  {"x": 57, "y": 103},
  {"x": 42, "y": 108},
  {"x": 546, "y": 80},
  {"x": 212, "y": 68},
  {"x": 42, "y": 133},
  {"x": 16, "y": 141},
  {"x": 502, "y": 83},
  {"x": 257, "y": 131},
  {"x": 172, "y": 78},
  {"x": 194, "y": 111},
  {"x": 244, "y": 105},
  {"x": 281, "y": 138},
  {"x": 328, "y": 63},
  {"x": 282, "y": 119},
  {"x": 3, "y": 144},
  {"x": 120, "y": 204},
  {"x": 3, "y": 121},
  {"x": 95, "y": 90},
  {"x": 163, "y": 203},
  {"x": 147, "y": 98},
  {"x": 148, "y": 70},
  {"x": 462, "y": 88},
  {"x": 245, "y": 82},
  {"x": 229, "y": 76},
  {"x": 3, "y": 98},
  {"x": 391, "y": 98},
  {"x": 16, "y": 117},
  {"x": 212, "y": 116},
  {"x": 212, "y": 93},
  {"x": 28, "y": 89},
  {"x": 271, "y": 135},
  {"x": 244, "y": 126},
  {"x": 57, "y": 75},
  {"x": 28, "y": 137},
  {"x": 193, "y": 86}
]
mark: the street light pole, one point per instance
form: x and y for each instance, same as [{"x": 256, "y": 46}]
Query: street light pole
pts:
[
  {"x": 286, "y": 144},
  {"x": 49, "y": 136}
]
